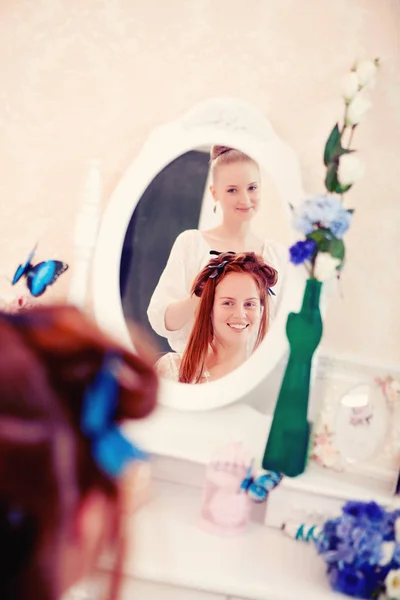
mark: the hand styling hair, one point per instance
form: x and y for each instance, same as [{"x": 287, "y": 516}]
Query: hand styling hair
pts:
[
  {"x": 202, "y": 335},
  {"x": 48, "y": 357}
]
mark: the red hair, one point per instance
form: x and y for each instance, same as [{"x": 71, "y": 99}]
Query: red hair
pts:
[
  {"x": 202, "y": 334},
  {"x": 48, "y": 357}
]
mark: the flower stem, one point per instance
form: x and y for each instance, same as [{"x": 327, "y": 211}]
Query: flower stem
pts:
[{"x": 351, "y": 136}]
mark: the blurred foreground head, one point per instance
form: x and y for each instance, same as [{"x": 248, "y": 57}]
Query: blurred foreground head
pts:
[{"x": 59, "y": 506}]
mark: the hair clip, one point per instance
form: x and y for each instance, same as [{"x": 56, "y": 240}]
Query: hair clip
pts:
[
  {"x": 110, "y": 448},
  {"x": 218, "y": 269},
  {"x": 216, "y": 253}
]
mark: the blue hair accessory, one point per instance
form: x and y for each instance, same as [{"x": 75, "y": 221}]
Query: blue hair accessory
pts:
[{"x": 111, "y": 450}]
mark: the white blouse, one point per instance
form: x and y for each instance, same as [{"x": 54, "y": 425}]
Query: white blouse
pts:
[
  {"x": 189, "y": 254},
  {"x": 168, "y": 367}
]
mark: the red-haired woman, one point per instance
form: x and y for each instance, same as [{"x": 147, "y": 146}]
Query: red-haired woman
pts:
[
  {"x": 231, "y": 321},
  {"x": 64, "y": 387},
  {"x": 236, "y": 190}
]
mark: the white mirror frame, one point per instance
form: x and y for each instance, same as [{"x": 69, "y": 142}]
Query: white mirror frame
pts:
[{"x": 232, "y": 123}]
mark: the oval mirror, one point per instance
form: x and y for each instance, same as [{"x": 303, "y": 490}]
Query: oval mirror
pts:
[{"x": 165, "y": 192}]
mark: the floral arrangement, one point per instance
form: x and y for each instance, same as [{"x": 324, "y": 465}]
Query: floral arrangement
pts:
[
  {"x": 362, "y": 551},
  {"x": 324, "y": 452},
  {"x": 323, "y": 219}
]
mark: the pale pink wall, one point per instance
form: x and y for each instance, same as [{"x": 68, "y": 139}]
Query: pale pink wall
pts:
[{"x": 91, "y": 78}]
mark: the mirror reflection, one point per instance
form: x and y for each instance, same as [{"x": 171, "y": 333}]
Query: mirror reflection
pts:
[
  {"x": 230, "y": 320},
  {"x": 201, "y": 212}
]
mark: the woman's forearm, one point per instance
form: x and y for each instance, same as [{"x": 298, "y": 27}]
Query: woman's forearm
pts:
[{"x": 180, "y": 312}]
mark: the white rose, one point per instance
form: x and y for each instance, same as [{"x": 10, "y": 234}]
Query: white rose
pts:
[
  {"x": 325, "y": 266},
  {"x": 366, "y": 72},
  {"x": 350, "y": 86},
  {"x": 357, "y": 108},
  {"x": 350, "y": 170},
  {"x": 387, "y": 549},
  {"x": 392, "y": 583},
  {"x": 397, "y": 530}
]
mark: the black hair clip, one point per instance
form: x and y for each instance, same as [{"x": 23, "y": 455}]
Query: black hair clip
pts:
[
  {"x": 218, "y": 269},
  {"x": 216, "y": 253}
]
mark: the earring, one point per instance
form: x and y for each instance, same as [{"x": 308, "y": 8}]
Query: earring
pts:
[{"x": 215, "y": 208}]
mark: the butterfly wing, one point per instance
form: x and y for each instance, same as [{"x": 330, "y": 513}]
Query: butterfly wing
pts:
[
  {"x": 248, "y": 480},
  {"x": 44, "y": 274},
  {"x": 269, "y": 480},
  {"x": 24, "y": 268},
  {"x": 246, "y": 483},
  {"x": 258, "y": 490}
]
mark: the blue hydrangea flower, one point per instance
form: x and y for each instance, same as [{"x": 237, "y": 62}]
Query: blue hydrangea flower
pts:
[
  {"x": 348, "y": 580},
  {"x": 343, "y": 553},
  {"x": 303, "y": 224},
  {"x": 354, "y": 509},
  {"x": 340, "y": 224},
  {"x": 345, "y": 526},
  {"x": 324, "y": 211},
  {"x": 301, "y": 251},
  {"x": 353, "y": 547}
]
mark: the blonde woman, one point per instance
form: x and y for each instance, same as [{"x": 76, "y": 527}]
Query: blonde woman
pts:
[{"x": 236, "y": 188}]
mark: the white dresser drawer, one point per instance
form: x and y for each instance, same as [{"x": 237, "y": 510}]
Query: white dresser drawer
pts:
[{"x": 136, "y": 589}]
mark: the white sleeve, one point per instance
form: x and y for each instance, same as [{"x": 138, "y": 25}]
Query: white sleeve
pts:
[{"x": 172, "y": 285}]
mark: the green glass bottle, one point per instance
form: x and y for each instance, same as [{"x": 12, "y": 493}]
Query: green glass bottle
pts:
[{"x": 287, "y": 445}]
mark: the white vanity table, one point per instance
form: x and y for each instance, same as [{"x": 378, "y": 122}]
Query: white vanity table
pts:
[{"x": 171, "y": 558}]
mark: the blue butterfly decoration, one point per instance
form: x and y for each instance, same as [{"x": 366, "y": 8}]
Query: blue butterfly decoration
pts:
[
  {"x": 110, "y": 448},
  {"x": 39, "y": 276},
  {"x": 258, "y": 487}
]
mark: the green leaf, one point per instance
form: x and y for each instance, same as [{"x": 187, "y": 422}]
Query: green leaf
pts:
[
  {"x": 342, "y": 150},
  {"x": 331, "y": 180},
  {"x": 341, "y": 189},
  {"x": 331, "y": 145},
  {"x": 322, "y": 237},
  {"x": 336, "y": 249}
]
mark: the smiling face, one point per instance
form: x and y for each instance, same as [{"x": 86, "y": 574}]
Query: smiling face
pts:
[
  {"x": 237, "y": 187},
  {"x": 237, "y": 310}
]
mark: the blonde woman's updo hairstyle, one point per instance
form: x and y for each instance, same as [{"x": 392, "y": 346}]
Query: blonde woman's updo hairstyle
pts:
[{"x": 224, "y": 155}]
